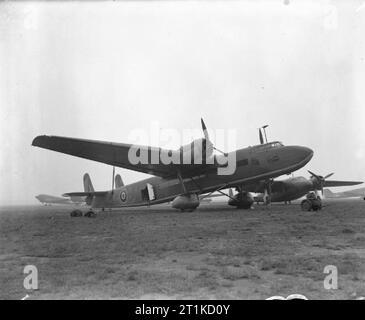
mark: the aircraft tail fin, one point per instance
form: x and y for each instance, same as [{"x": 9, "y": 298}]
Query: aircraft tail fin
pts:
[
  {"x": 328, "y": 193},
  {"x": 119, "y": 181},
  {"x": 88, "y": 186}
]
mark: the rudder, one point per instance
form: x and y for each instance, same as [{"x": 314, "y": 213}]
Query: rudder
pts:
[
  {"x": 88, "y": 186},
  {"x": 118, "y": 181}
]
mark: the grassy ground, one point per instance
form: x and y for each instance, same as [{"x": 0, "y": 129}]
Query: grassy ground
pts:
[{"x": 215, "y": 252}]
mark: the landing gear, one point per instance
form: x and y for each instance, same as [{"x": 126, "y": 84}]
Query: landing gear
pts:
[
  {"x": 312, "y": 202},
  {"x": 244, "y": 203},
  {"x": 267, "y": 192},
  {"x": 241, "y": 200},
  {"x": 187, "y": 210},
  {"x": 76, "y": 213},
  {"x": 90, "y": 214}
]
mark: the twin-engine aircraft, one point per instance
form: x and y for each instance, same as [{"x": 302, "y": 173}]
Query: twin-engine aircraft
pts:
[
  {"x": 289, "y": 189},
  {"x": 356, "y": 193},
  {"x": 47, "y": 199},
  {"x": 193, "y": 169},
  {"x": 296, "y": 187}
]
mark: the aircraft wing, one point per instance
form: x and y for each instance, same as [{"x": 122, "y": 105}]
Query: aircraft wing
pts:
[
  {"x": 335, "y": 183},
  {"x": 116, "y": 154}
]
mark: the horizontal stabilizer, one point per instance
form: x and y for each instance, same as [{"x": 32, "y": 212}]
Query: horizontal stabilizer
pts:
[{"x": 85, "y": 194}]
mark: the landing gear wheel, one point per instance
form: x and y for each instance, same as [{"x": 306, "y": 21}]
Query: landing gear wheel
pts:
[
  {"x": 90, "y": 214},
  {"x": 76, "y": 213},
  {"x": 244, "y": 206},
  {"x": 316, "y": 205},
  {"x": 306, "y": 205},
  {"x": 187, "y": 210}
]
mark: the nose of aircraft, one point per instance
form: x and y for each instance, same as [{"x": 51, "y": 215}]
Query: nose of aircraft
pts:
[{"x": 301, "y": 155}]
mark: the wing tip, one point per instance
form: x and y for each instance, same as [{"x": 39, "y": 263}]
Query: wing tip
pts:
[{"x": 39, "y": 140}]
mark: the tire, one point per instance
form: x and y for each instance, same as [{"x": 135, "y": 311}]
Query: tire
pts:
[
  {"x": 306, "y": 205},
  {"x": 76, "y": 213},
  {"x": 316, "y": 205},
  {"x": 90, "y": 214}
]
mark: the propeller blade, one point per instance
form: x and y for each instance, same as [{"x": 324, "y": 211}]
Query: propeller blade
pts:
[
  {"x": 329, "y": 175},
  {"x": 224, "y": 153},
  {"x": 113, "y": 178},
  {"x": 205, "y": 131},
  {"x": 261, "y": 137},
  {"x": 314, "y": 175}
]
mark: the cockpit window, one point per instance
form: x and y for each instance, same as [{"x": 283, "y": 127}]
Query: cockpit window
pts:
[
  {"x": 266, "y": 146},
  {"x": 276, "y": 144}
]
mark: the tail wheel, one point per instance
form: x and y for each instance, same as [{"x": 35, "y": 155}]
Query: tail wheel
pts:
[
  {"x": 76, "y": 213},
  {"x": 306, "y": 205},
  {"x": 90, "y": 214}
]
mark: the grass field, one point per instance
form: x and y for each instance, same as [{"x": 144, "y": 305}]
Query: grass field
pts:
[{"x": 215, "y": 252}]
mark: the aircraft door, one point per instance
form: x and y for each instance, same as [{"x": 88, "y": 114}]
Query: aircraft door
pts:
[
  {"x": 148, "y": 193},
  {"x": 151, "y": 192}
]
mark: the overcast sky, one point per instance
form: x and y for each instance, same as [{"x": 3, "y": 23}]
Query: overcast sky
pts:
[{"x": 99, "y": 70}]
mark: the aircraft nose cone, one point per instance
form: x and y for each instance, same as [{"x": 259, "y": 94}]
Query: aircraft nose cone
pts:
[{"x": 304, "y": 154}]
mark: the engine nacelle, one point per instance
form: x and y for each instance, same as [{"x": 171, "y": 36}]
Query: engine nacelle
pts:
[
  {"x": 186, "y": 202},
  {"x": 242, "y": 200},
  {"x": 198, "y": 150}
]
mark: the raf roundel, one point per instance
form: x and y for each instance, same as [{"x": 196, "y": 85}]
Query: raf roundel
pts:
[{"x": 123, "y": 196}]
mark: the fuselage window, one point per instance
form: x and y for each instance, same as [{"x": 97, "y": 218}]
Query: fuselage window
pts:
[{"x": 255, "y": 162}]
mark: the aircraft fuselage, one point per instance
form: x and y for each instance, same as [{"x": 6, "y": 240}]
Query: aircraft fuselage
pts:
[{"x": 252, "y": 164}]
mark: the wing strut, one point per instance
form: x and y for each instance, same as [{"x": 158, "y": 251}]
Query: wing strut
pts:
[
  {"x": 225, "y": 194},
  {"x": 182, "y": 182}
]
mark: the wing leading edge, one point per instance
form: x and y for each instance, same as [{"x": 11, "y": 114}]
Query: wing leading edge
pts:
[
  {"x": 336, "y": 183},
  {"x": 116, "y": 154}
]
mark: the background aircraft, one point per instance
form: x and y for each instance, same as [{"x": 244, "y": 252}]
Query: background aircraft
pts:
[
  {"x": 49, "y": 200},
  {"x": 358, "y": 193},
  {"x": 292, "y": 188},
  {"x": 180, "y": 183},
  {"x": 297, "y": 187}
]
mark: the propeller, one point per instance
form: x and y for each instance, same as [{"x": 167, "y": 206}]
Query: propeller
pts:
[
  {"x": 320, "y": 180},
  {"x": 261, "y": 137},
  {"x": 205, "y": 131},
  {"x": 113, "y": 179},
  {"x": 264, "y": 127},
  {"x": 206, "y": 137}
]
